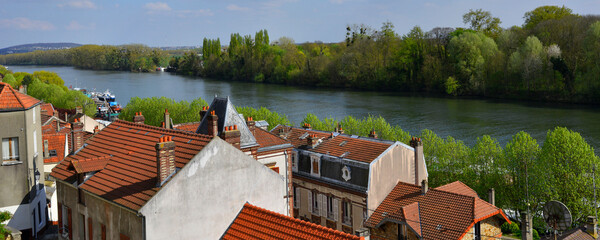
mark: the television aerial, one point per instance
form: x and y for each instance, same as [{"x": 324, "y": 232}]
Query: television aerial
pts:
[{"x": 557, "y": 216}]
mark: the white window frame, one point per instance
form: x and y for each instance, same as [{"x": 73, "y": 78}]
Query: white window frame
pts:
[
  {"x": 347, "y": 214},
  {"x": 296, "y": 197},
  {"x": 295, "y": 161},
  {"x": 34, "y": 114},
  {"x": 315, "y": 158},
  {"x": 6, "y": 146},
  {"x": 315, "y": 203}
]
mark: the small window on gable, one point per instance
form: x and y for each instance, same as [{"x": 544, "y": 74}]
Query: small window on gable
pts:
[
  {"x": 52, "y": 153},
  {"x": 315, "y": 165}
]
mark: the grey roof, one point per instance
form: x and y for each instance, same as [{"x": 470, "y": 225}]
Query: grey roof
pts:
[{"x": 228, "y": 116}]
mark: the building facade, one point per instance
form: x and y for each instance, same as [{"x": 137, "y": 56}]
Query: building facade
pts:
[
  {"x": 339, "y": 179},
  {"x": 22, "y": 168}
]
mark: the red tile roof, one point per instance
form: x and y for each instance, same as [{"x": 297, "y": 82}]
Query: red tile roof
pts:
[
  {"x": 265, "y": 138},
  {"x": 439, "y": 214},
  {"x": 190, "y": 127},
  {"x": 47, "y": 109},
  {"x": 458, "y": 187},
  {"x": 129, "y": 177},
  {"x": 359, "y": 149},
  {"x": 258, "y": 223},
  {"x": 11, "y": 99},
  {"x": 56, "y": 141},
  {"x": 90, "y": 164}
]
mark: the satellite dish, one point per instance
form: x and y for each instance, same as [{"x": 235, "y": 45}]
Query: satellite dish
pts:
[{"x": 557, "y": 216}]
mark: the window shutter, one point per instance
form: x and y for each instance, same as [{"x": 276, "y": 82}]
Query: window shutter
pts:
[
  {"x": 60, "y": 218},
  {"x": 70, "y": 221},
  {"x": 90, "y": 229},
  {"x": 336, "y": 209},
  {"x": 297, "y": 197},
  {"x": 323, "y": 205},
  {"x": 310, "y": 202}
]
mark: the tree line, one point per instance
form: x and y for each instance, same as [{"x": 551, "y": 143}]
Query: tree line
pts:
[{"x": 523, "y": 173}]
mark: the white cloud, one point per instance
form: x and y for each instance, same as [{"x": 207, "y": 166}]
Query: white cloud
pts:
[
  {"x": 157, "y": 6},
  {"x": 79, "y": 4},
  {"x": 74, "y": 26},
  {"x": 234, "y": 7},
  {"x": 26, "y": 24}
]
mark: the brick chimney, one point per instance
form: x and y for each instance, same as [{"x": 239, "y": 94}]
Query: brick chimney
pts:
[
  {"x": 96, "y": 129},
  {"x": 526, "y": 226},
  {"x": 373, "y": 134},
  {"x": 139, "y": 118},
  {"x": 167, "y": 119},
  {"x": 492, "y": 196},
  {"x": 339, "y": 129},
  {"x": 77, "y": 134},
  {"x": 203, "y": 112},
  {"x": 313, "y": 140},
  {"x": 212, "y": 124},
  {"x": 251, "y": 124},
  {"x": 590, "y": 226},
  {"x": 419, "y": 166},
  {"x": 424, "y": 186},
  {"x": 282, "y": 133},
  {"x": 306, "y": 126},
  {"x": 165, "y": 159},
  {"x": 232, "y": 135}
]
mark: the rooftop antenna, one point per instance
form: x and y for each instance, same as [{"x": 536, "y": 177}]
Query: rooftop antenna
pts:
[{"x": 557, "y": 216}]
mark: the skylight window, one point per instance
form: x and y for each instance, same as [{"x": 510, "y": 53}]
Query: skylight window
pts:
[
  {"x": 304, "y": 135},
  {"x": 343, "y": 143},
  {"x": 344, "y": 154}
]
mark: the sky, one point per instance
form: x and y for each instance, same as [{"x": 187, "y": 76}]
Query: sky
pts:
[{"x": 187, "y": 22}]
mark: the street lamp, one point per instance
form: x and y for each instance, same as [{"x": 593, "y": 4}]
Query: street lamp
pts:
[{"x": 37, "y": 174}]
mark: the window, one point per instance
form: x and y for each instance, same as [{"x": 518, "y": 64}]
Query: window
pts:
[
  {"x": 346, "y": 212},
  {"x": 35, "y": 143},
  {"x": 313, "y": 200},
  {"x": 39, "y": 213},
  {"x": 295, "y": 161},
  {"x": 81, "y": 226},
  {"x": 10, "y": 149},
  {"x": 52, "y": 153},
  {"x": 34, "y": 114},
  {"x": 315, "y": 165},
  {"x": 103, "y": 234},
  {"x": 90, "y": 229},
  {"x": 296, "y": 197},
  {"x": 332, "y": 207}
]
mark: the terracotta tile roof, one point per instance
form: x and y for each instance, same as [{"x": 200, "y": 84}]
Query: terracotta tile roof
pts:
[
  {"x": 56, "y": 142},
  {"x": 90, "y": 164},
  {"x": 129, "y": 177},
  {"x": 189, "y": 127},
  {"x": 458, "y": 187},
  {"x": 47, "y": 109},
  {"x": 257, "y": 223},
  {"x": 573, "y": 234},
  {"x": 267, "y": 139},
  {"x": 11, "y": 99},
  {"x": 439, "y": 214},
  {"x": 355, "y": 148}
]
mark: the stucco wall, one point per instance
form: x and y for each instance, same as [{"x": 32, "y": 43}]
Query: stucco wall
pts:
[
  {"x": 118, "y": 220},
  {"x": 204, "y": 197},
  {"x": 490, "y": 229},
  {"x": 397, "y": 164},
  {"x": 389, "y": 230}
]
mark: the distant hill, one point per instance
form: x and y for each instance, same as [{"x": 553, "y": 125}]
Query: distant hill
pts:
[{"x": 37, "y": 46}]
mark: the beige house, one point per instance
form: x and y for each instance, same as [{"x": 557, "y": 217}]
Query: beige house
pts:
[
  {"x": 338, "y": 179},
  {"x": 22, "y": 167}
]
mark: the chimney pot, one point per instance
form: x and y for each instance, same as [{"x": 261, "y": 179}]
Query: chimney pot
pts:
[
  {"x": 212, "y": 124},
  {"x": 165, "y": 159},
  {"x": 235, "y": 127}
]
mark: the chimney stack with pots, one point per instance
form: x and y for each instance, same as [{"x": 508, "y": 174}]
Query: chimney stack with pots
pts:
[
  {"x": 251, "y": 124},
  {"x": 212, "y": 124},
  {"x": 96, "y": 129},
  {"x": 232, "y": 135},
  {"x": 373, "y": 134},
  {"x": 282, "y": 133},
  {"x": 492, "y": 196},
  {"x": 139, "y": 118},
  {"x": 419, "y": 160},
  {"x": 167, "y": 119},
  {"x": 77, "y": 134},
  {"x": 203, "y": 112},
  {"x": 306, "y": 126},
  {"x": 590, "y": 226},
  {"x": 165, "y": 159},
  {"x": 313, "y": 140}
]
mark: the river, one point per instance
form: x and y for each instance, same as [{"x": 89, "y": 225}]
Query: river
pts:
[{"x": 463, "y": 119}]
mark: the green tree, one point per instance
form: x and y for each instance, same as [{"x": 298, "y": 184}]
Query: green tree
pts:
[
  {"x": 5, "y": 215},
  {"x": 263, "y": 113},
  {"x": 533, "y": 18},
  {"x": 10, "y": 79},
  {"x": 482, "y": 21},
  {"x": 567, "y": 162},
  {"x": 523, "y": 183},
  {"x": 153, "y": 110},
  {"x": 49, "y": 77},
  {"x": 470, "y": 52},
  {"x": 485, "y": 160},
  {"x": 27, "y": 79}
]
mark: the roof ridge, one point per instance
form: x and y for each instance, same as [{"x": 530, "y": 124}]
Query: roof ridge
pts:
[
  {"x": 18, "y": 98},
  {"x": 162, "y": 129},
  {"x": 294, "y": 220}
]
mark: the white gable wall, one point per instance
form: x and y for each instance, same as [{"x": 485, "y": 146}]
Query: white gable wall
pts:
[{"x": 205, "y": 196}]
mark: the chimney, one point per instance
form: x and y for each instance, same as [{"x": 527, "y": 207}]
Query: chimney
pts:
[
  {"x": 23, "y": 89},
  {"x": 306, "y": 126},
  {"x": 77, "y": 134},
  {"x": 78, "y": 109},
  {"x": 203, "y": 112},
  {"x": 96, "y": 129},
  {"x": 213, "y": 128},
  {"x": 590, "y": 226},
  {"x": 139, "y": 118},
  {"x": 167, "y": 119},
  {"x": 57, "y": 126},
  {"x": 165, "y": 159},
  {"x": 419, "y": 166},
  {"x": 373, "y": 134},
  {"x": 232, "y": 135},
  {"x": 492, "y": 196},
  {"x": 282, "y": 133},
  {"x": 251, "y": 124},
  {"x": 46, "y": 152},
  {"x": 424, "y": 186},
  {"x": 526, "y": 226},
  {"x": 313, "y": 140}
]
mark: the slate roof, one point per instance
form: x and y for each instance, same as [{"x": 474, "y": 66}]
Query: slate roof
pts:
[
  {"x": 257, "y": 223},
  {"x": 352, "y": 147},
  {"x": 129, "y": 176},
  {"x": 13, "y": 100},
  {"x": 227, "y": 116},
  {"x": 438, "y": 214}
]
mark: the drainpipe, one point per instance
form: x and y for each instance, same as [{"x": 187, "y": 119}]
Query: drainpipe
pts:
[{"x": 287, "y": 184}]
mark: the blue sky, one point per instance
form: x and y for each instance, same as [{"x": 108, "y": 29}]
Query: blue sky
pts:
[{"x": 187, "y": 22}]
